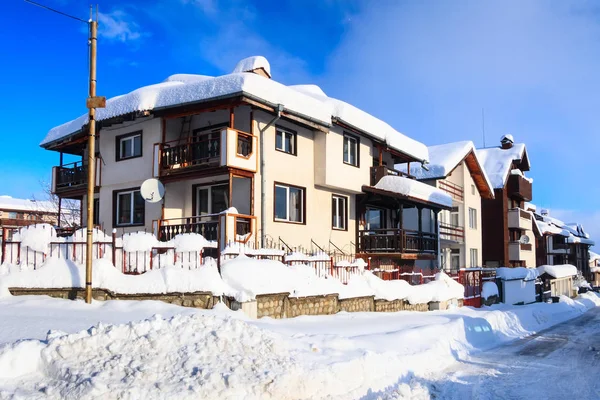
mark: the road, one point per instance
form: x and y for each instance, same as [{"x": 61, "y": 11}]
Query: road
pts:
[{"x": 562, "y": 362}]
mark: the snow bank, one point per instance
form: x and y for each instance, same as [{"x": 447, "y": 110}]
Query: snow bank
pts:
[
  {"x": 558, "y": 271},
  {"x": 489, "y": 289},
  {"x": 10, "y": 203},
  {"x": 189, "y": 242},
  {"x": 507, "y": 274},
  {"x": 413, "y": 188},
  {"x": 37, "y": 237},
  {"x": 443, "y": 288},
  {"x": 60, "y": 273},
  {"x": 139, "y": 241}
]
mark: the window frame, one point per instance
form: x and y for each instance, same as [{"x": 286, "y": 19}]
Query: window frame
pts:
[
  {"x": 116, "y": 194},
  {"x": 346, "y": 201},
  {"x": 96, "y": 216},
  {"x": 473, "y": 261},
  {"x": 473, "y": 220},
  {"x": 303, "y": 208},
  {"x": 294, "y": 141},
  {"x": 209, "y": 186},
  {"x": 356, "y": 140},
  {"x": 129, "y": 136}
]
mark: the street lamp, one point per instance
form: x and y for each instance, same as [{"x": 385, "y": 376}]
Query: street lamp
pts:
[{"x": 92, "y": 103}]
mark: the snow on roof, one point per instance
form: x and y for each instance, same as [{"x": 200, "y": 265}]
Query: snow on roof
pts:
[
  {"x": 558, "y": 271},
  {"x": 413, "y": 188},
  {"x": 443, "y": 158},
  {"x": 9, "y": 203},
  {"x": 530, "y": 207},
  {"x": 594, "y": 256},
  {"x": 364, "y": 121},
  {"x": 251, "y": 63},
  {"x": 574, "y": 232},
  {"x": 497, "y": 162},
  {"x": 305, "y": 100},
  {"x": 507, "y": 274}
]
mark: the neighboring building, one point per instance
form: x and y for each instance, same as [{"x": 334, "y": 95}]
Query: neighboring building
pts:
[
  {"x": 508, "y": 239},
  {"x": 15, "y": 213},
  {"x": 300, "y": 168},
  {"x": 455, "y": 169},
  {"x": 594, "y": 259},
  {"x": 558, "y": 243}
]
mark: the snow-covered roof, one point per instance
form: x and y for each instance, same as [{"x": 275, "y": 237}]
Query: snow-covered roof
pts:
[
  {"x": 443, "y": 159},
  {"x": 307, "y": 101},
  {"x": 497, "y": 162},
  {"x": 558, "y": 271},
  {"x": 594, "y": 256},
  {"x": 574, "y": 232},
  {"x": 415, "y": 189},
  {"x": 251, "y": 63},
  {"x": 9, "y": 203},
  {"x": 507, "y": 274}
]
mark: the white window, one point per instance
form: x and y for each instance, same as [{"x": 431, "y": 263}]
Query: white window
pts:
[
  {"x": 130, "y": 208},
  {"x": 474, "y": 260},
  {"x": 285, "y": 141},
  {"x": 351, "y": 150},
  {"x": 454, "y": 218},
  {"x": 289, "y": 203},
  {"x": 339, "y": 207},
  {"x": 472, "y": 218},
  {"x": 129, "y": 146},
  {"x": 473, "y": 190}
]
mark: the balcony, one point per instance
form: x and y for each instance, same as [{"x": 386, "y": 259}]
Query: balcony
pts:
[
  {"x": 71, "y": 179},
  {"x": 519, "y": 251},
  {"x": 455, "y": 191},
  {"x": 396, "y": 241},
  {"x": 229, "y": 148},
  {"x": 380, "y": 171},
  {"x": 452, "y": 233},
  {"x": 519, "y": 219},
  {"x": 519, "y": 187}
]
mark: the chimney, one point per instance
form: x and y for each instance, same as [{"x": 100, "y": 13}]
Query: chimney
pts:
[
  {"x": 257, "y": 65},
  {"x": 507, "y": 141}
]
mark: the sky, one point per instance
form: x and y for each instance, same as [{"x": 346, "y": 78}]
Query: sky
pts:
[{"x": 428, "y": 68}]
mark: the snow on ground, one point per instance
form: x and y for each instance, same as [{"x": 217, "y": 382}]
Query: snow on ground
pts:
[{"x": 220, "y": 354}]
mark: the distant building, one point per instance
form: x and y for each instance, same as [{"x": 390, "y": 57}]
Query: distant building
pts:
[{"x": 15, "y": 213}]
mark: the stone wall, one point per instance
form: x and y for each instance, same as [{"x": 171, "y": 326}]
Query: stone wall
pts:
[
  {"x": 271, "y": 305},
  {"x": 357, "y": 304},
  {"x": 416, "y": 307},
  {"x": 311, "y": 305},
  {"x": 389, "y": 306},
  {"x": 204, "y": 300}
]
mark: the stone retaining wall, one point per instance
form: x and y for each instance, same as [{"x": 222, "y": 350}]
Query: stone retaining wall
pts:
[
  {"x": 311, "y": 305},
  {"x": 389, "y": 306},
  {"x": 357, "y": 304},
  {"x": 416, "y": 307},
  {"x": 271, "y": 305}
]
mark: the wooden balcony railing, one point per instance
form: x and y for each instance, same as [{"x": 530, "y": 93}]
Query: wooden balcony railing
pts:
[
  {"x": 396, "y": 241},
  {"x": 380, "y": 171},
  {"x": 452, "y": 232},
  {"x": 454, "y": 190},
  {"x": 196, "y": 152},
  {"x": 205, "y": 225},
  {"x": 70, "y": 176}
]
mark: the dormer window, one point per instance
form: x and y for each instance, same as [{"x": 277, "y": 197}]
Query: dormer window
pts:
[
  {"x": 129, "y": 146},
  {"x": 351, "y": 156}
]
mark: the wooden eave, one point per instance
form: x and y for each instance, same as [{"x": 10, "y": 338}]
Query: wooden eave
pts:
[
  {"x": 411, "y": 199},
  {"x": 478, "y": 175}
]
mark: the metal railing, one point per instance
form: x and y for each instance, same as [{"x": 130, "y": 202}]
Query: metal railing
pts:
[
  {"x": 452, "y": 232},
  {"x": 454, "y": 190}
]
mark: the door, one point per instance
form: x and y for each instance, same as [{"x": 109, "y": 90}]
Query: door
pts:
[{"x": 212, "y": 199}]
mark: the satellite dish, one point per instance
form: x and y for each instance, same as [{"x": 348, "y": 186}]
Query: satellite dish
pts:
[
  {"x": 524, "y": 239},
  {"x": 152, "y": 190}
]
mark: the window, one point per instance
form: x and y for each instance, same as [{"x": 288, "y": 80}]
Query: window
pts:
[
  {"x": 454, "y": 221},
  {"x": 244, "y": 145},
  {"x": 474, "y": 258},
  {"x": 12, "y": 215},
  {"x": 289, "y": 203},
  {"x": 472, "y": 218},
  {"x": 212, "y": 199},
  {"x": 96, "y": 220},
  {"x": 339, "y": 209},
  {"x": 129, "y": 146},
  {"x": 374, "y": 218},
  {"x": 129, "y": 208},
  {"x": 350, "y": 150},
  {"x": 473, "y": 190},
  {"x": 285, "y": 141}
]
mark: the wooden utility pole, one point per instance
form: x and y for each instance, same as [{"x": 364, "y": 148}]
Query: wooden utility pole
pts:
[{"x": 92, "y": 103}]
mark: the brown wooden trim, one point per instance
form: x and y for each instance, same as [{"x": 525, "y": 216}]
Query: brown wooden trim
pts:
[
  {"x": 210, "y": 128},
  {"x": 237, "y": 138},
  {"x": 114, "y": 208},
  {"x": 304, "y": 206},
  {"x": 125, "y": 136},
  {"x": 195, "y": 109},
  {"x": 232, "y": 117},
  {"x": 347, "y": 205}
]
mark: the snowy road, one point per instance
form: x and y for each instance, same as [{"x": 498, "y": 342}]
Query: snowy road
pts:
[{"x": 562, "y": 362}]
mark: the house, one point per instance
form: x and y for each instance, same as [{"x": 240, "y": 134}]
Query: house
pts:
[
  {"x": 16, "y": 213},
  {"x": 455, "y": 169},
  {"x": 558, "y": 243},
  {"x": 245, "y": 158},
  {"x": 508, "y": 238}
]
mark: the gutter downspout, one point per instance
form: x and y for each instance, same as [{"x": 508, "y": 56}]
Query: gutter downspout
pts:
[{"x": 263, "y": 180}]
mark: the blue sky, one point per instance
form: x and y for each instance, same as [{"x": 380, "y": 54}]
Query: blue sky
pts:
[{"x": 428, "y": 68}]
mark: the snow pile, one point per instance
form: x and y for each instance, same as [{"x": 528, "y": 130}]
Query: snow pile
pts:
[
  {"x": 240, "y": 248},
  {"x": 443, "y": 288},
  {"x": 297, "y": 256},
  {"x": 386, "y": 290},
  {"x": 37, "y": 237},
  {"x": 139, "y": 241},
  {"x": 251, "y": 63},
  {"x": 415, "y": 189},
  {"x": 80, "y": 235},
  {"x": 489, "y": 289},
  {"x": 522, "y": 273},
  {"x": 558, "y": 271},
  {"x": 497, "y": 162},
  {"x": 60, "y": 273},
  {"x": 189, "y": 242}
]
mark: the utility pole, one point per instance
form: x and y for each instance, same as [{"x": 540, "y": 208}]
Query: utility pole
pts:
[{"x": 92, "y": 103}]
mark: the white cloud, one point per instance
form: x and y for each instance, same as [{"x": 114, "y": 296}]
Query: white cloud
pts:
[{"x": 119, "y": 26}]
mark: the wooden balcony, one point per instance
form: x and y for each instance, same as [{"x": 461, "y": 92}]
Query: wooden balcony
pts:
[
  {"x": 455, "y": 191},
  {"x": 519, "y": 187},
  {"x": 519, "y": 251},
  {"x": 228, "y": 148},
  {"x": 71, "y": 179},
  {"x": 380, "y": 171},
  {"x": 396, "y": 241},
  {"x": 519, "y": 219},
  {"x": 453, "y": 233}
]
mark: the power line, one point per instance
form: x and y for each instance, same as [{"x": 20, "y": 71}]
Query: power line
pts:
[{"x": 56, "y": 11}]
